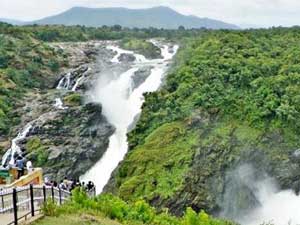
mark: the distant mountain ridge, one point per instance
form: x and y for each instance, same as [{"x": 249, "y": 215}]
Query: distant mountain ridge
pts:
[{"x": 158, "y": 17}]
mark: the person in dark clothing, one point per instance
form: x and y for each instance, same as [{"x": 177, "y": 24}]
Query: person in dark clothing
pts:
[
  {"x": 20, "y": 164},
  {"x": 90, "y": 186}
]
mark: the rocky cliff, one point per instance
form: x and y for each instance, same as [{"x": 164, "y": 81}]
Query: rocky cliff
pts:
[{"x": 69, "y": 134}]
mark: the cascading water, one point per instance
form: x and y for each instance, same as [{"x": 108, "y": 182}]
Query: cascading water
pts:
[
  {"x": 10, "y": 155},
  {"x": 277, "y": 207},
  {"x": 121, "y": 108},
  {"x": 138, "y": 58},
  {"x": 65, "y": 83},
  {"x": 268, "y": 204}
]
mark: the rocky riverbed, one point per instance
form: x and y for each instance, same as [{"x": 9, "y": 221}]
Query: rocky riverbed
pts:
[{"x": 68, "y": 132}]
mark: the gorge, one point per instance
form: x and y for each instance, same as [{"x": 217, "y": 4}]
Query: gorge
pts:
[
  {"x": 212, "y": 126},
  {"x": 122, "y": 103}
]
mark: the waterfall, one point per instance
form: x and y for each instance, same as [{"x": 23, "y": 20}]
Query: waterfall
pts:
[
  {"x": 138, "y": 58},
  {"x": 15, "y": 150},
  {"x": 59, "y": 104},
  {"x": 277, "y": 207},
  {"x": 121, "y": 108},
  {"x": 65, "y": 82},
  {"x": 252, "y": 198}
]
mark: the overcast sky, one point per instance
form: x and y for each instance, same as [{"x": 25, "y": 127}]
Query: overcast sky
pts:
[{"x": 253, "y": 12}]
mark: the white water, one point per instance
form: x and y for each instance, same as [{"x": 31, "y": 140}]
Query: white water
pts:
[
  {"x": 59, "y": 104},
  {"x": 65, "y": 82},
  {"x": 277, "y": 207},
  {"x": 138, "y": 58},
  {"x": 121, "y": 105},
  {"x": 15, "y": 149}
]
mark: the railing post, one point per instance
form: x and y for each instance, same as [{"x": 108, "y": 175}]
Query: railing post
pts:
[
  {"x": 44, "y": 194},
  {"x": 59, "y": 192},
  {"x": 31, "y": 200},
  {"x": 2, "y": 202},
  {"x": 52, "y": 193},
  {"x": 15, "y": 199}
]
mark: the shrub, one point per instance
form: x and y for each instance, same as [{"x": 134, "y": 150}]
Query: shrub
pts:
[{"x": 50, "y": 208}]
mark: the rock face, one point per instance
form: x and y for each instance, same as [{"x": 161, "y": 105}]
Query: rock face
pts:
[
  {"x": 126, "y": 58},
  {"x": 73, "y": 140},
  {"x": 67, "y": 139},
  {"x": 140, "y": 76}
]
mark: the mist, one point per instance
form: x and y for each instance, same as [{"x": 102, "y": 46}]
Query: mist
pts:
[{"x": 252, "y": 197}]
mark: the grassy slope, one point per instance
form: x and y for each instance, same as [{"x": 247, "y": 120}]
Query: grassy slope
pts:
[
  {"x": 76, "y": 219},
  {"x": 238, "y": 91},
  {"x": 157, "y": 167},
  {"x": 110, "y": 210}
]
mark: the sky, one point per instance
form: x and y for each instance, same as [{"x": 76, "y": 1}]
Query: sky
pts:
[{"x": 261, "y": 13}]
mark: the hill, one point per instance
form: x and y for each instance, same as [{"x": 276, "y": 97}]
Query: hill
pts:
[
  {"x": 229, "y": 102},
  {"x": 158, "y": 17}
]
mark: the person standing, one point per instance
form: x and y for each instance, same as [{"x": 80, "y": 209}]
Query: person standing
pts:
[
  {"x": 29, "y": 166},
  {"x": 20, "y": 166}
]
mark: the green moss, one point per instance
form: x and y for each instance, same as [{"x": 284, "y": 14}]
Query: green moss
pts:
[
  {"x": 73, "y": 100},
  {"x": 157, "y": 168}
]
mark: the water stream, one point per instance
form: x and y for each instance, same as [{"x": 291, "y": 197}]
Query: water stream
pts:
[
  {"x": 121, "y": 104},
  {"x": 9, "y": 157}
]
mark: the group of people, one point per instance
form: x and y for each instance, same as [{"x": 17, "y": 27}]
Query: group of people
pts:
[
  {"x": 21, "y": 163},
  {"x": 70, "y": 185}
]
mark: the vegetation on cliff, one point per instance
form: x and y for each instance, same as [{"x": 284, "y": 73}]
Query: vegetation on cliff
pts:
[
  {"x": 235, "y": 96},
  {"x": 25, "y": 63},
  {"x": 143, "y": 47},
  {"x": 112, "y": 210}
]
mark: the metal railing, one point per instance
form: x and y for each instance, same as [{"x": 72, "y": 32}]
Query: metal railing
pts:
[{"x": 23, "y": 202}]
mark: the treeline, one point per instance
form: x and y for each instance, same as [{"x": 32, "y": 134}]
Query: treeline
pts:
[{"x": 81, "y": 33}]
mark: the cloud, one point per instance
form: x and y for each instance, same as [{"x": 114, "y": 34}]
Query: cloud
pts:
[{"x": 260, "y": 12}]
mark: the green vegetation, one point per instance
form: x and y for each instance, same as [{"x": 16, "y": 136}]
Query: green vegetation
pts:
[
  {"x": 117, "y": 211},
  {"x": 76, "y": 219},
  {"x": 237, "y": 95},
  {"x": 82, "y": 33},
  {"x": 37, "y": 151},
  {"x": 25, "y": 63},
  {"x": 157, "y": 167},
  {"x": 251, "y": 76},
  {"x": 74, "y": 99},
  {"x": 143, "y": 47}
]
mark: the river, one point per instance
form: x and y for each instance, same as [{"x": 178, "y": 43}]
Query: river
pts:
[{"x": 121, "y": 105}]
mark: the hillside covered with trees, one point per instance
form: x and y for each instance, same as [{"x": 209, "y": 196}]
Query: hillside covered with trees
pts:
[{"x": 231, "y": 99}]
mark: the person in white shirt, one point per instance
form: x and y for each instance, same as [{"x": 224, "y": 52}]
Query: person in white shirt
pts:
[{"x": 29, "y": 166}]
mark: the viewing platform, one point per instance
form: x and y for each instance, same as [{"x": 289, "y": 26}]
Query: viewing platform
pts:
[{"x": 9, "y": 178}]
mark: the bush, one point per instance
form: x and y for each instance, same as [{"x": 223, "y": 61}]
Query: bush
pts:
[
  {"x": 138, "y": 212},
  {"x": 49, "y": 208}
]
